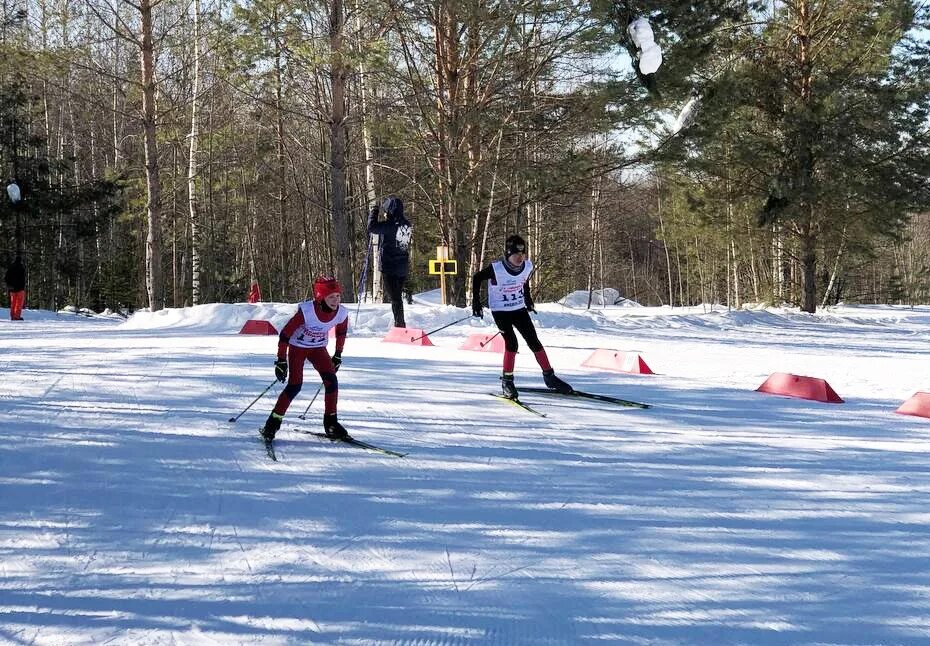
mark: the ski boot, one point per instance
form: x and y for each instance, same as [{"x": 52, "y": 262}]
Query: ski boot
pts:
[
  {"x": 333, "y": 429},
  {"x": 555, "y": 383},
  {"x": 509, "y": 390},
  {"x": 272, "y": 425}
]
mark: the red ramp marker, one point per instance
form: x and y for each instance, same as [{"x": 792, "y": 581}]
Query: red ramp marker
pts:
[
  {"x": 918, "y": 405},
  {"x": 782, "y": 383},
  {"x": 618, "y": 362},
  {"x": 484, "y": 342},
  {"x": 255, "y": 326},
  {"x": 408, "y": 335}
]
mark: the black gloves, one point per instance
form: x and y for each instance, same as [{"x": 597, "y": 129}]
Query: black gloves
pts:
[
  {"x": 280, "y": 369},
  {"x": 337, "y": 361}
]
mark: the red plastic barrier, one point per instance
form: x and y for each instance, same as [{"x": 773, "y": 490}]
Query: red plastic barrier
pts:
[
  {"x": 490, "y": 342},
  {"x": 618, "y": 361},
  {"x": 782, "y": 383},
  {"x": 918, "y": 405},
  {"x": 255, "y": 326},
  {"x": 408, "y": 335}
]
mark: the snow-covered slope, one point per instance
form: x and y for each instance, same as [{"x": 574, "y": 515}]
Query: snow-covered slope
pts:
[{"x": 133, "y": 512}]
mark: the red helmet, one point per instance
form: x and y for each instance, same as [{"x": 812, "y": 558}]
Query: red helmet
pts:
[{"x": 324, "y": 286}]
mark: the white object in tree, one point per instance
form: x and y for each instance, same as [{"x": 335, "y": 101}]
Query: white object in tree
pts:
[
  {"x": 12, "y": 190},
  {"x": 650, "y": 54},
  {"x": 687, "y": 114}
]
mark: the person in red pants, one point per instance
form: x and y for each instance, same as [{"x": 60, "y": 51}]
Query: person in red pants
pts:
[
  {"x": 304, "y": 338},
  {"x": 16, "y": 283}
]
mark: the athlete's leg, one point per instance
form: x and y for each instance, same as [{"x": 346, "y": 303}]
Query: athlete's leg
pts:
[
  {"x": 524, "y": 325},
  {"x": 321, "y": 361},
  {"x": 295, "y": 381},
  {"x": 504, "y": 322}
]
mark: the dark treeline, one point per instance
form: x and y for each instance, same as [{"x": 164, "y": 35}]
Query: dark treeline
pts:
[{"x": 171, "y": 152}]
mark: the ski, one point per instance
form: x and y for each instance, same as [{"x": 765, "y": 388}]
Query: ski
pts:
[
  {"x": 517, "y": 402},
  {"x": 353, "y": 442},
  {"x": 585, "y": 395}
]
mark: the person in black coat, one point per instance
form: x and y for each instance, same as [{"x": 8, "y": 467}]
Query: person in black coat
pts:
[
  {"x": 396, "y": 233},
  {"x": 16, "y": 283}
]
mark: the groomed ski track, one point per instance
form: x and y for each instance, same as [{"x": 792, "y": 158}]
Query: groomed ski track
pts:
[{"x": 133, "y": 512}]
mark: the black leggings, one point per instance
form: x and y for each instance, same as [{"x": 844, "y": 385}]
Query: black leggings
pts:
[
  {"x": 394, "y": 286},
  {"x": 519, "y": 319}
]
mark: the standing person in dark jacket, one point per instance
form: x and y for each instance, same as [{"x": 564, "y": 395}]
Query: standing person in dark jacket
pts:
[
  {"x": 16, "y": 283},
  {"x": 396, "y": 233},
  {"x": 511, "y": 303}
]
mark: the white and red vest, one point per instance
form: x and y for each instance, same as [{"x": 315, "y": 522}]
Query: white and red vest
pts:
[
  {"x": 314, "y": 333},
  {"x": 505, "y": 292}
]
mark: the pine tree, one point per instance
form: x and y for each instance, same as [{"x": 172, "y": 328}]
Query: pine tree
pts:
[{"x": 821, "y": 118}]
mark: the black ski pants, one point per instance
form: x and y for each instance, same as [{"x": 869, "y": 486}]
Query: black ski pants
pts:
[
  {"x": 519, "y": 319},
  {"x": 394, "y": 290}
]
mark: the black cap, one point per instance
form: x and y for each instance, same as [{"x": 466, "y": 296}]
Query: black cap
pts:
[
  {"x": 393, "y": 206},
  {"x": 514, "y": 244}
]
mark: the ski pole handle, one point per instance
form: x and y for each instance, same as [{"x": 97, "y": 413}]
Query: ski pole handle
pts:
[{"x": 361, "y": 281}]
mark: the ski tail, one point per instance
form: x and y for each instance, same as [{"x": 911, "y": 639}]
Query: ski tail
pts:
[
  {"x": 353, "y": 442},
  {"x": 593, "y": 396}
]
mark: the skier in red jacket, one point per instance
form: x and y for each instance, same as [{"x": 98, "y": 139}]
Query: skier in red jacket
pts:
[{"x": 304, "y": 338}]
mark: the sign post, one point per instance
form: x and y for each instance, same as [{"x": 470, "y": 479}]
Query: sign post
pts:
[{"x": 442, "y": 266}]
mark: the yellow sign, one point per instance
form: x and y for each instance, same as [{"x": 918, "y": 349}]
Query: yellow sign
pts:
[{"x": 443, "y": 267}]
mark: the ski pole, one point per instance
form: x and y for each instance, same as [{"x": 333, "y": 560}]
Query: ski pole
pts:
[
  {"x": 491, "y": 338},
  {"x": 304, "y": 414},
  {"x": 440, "y": 328},
  {"x": 361, "y": 281},
  {"x": 262, "y": 394}
]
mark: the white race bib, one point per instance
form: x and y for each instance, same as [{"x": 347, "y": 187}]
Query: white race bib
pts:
[
  {"x": 505, "y": 293},
  {"x": 314, "y": 333}
]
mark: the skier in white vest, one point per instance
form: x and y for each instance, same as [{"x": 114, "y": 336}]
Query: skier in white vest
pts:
[
  {"x": 511, "y": 303},
  {"x": 304, "y": 338}
]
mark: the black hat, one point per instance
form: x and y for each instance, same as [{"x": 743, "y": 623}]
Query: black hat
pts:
[
  {"x": 514, "y": 244},
  {"x": 393, "y": 206}
]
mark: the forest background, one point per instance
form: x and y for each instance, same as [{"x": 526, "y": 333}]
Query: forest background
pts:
[{"x": 171, "y": 152}]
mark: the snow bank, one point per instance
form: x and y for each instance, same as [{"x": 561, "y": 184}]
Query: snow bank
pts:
[{"x": 607, "y": 297}]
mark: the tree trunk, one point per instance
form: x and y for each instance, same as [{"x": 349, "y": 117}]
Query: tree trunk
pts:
[
  {"x": 668, "y": 258},
  {"x": 192, "y": 168},
  {"x": 283, "y": 249},
  {"x": 153, "y": 274},
  {"x": 374, "y": 240},
  {"x": 337, "y": 153},
  {"x": 809, "y": 270},
  {"x": 595, "y": 236},
  {"x": 481, "y": 249},
  {"x": 831, "y": 285},
  {"x": 805, "y": 160},
  {"x": 753, "y": 275}
]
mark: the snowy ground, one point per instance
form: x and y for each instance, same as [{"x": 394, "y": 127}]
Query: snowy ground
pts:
[{"x": 133, "y": 512}]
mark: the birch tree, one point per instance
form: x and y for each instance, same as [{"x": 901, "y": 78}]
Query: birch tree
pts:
[{"x": 193, "y": 166}]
